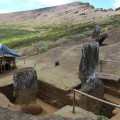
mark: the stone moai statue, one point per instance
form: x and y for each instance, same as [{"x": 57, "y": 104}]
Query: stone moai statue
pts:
[
  {"x": 90, "y": 83},
  {"x": 25, "y": 90},
  {"x": 96, "y": 32},
  {"x": 88, "y": 65},
  {"x": 97, "y": 36},
  {"x": 101, "y": 38}
]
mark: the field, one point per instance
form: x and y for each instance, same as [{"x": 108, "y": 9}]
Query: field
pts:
[{"x": 49, "y": 36}]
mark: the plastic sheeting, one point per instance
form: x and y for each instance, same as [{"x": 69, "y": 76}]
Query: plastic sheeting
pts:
[{"x": 6, "y": 50}]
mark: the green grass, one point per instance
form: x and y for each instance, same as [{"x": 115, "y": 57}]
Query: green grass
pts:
[
  {"x": 113, "y": 22},
  {"x": 14, "y": 37},
  {"x": 101, "y": 117},
  {"x": 21, "y": 35}
]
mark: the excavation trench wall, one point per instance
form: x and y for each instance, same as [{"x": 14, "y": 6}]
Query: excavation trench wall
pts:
[
  {"x": 54, "y": 96},
  {"x": 47, "y": 93},
  {"x": 8, "y": 92},
  {"x": 111, "y": 94}
]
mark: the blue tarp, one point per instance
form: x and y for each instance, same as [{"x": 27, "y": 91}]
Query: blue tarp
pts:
[{"x": 6, "y": 50}]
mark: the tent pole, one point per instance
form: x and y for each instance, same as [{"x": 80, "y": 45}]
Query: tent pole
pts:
[{"x": 4, "y": 61}]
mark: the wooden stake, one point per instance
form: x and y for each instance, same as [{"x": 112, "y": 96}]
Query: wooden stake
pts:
[
  {"x": 101, "y": 65},
  {"x": 73, "y": 101}
]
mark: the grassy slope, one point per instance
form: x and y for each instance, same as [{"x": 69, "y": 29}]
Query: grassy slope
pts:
[{"x": 19, "y": 35}]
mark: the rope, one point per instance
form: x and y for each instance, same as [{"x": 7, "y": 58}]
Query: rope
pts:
[
  {"x": 109, "y": 103},
  {"x": 110, "y": 61}
]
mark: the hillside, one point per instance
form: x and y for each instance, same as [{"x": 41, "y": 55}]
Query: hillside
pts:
[
  {"x": 68, "y": 13},
  {"x": 49, "y": 27}
]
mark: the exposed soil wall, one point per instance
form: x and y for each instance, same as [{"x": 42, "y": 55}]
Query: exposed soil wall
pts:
[
  {"x": 56, "y": 97},
  {"x": 112, "y": 91},
  {"x": 47, "y": 93},
  {"x": 112, "y": 83},
  {"x": 8, "y": 92},
  {"x": 107, "y": 110},
  {"x": 52, "y": 95}
]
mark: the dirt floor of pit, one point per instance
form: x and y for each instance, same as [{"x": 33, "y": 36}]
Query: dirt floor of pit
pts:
[{"x": 46, "y": 108}]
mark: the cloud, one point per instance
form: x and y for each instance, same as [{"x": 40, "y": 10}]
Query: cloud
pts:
[
  {"x": 21, "y": 5},
  {"x": 6, "y": 1},
  {"x": 54, "y": 2},
  {"x": 116, "y": 3},
  {"x": 5, "y": 11}
]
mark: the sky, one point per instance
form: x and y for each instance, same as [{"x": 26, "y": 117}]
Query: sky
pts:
[{"x": 22, "y": 5}]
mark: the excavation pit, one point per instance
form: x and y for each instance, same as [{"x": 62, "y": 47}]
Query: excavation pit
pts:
[
  {"x": 47, "y": 109},
  {"x": 53, "y": 97},
  {"x": 49, "y": 97},
  {"x": 52, "y": 102}
]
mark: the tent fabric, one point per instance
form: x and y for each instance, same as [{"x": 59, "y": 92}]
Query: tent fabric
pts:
[{"x": 6, "y": 50}]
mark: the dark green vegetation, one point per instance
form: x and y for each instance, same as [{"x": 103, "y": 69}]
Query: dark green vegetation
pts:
[
  {"x": 100, "y": 117},
  {"x": 19, "y": 35},
  {"x": 112, "y": 22}
]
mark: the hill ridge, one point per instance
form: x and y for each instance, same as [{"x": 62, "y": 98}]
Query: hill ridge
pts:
[{"x": 71, "y": 12}]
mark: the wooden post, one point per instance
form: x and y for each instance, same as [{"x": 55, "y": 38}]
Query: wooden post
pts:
[
  {"x": 34, "y": 65},
  {"x": 73, "y": 101},
  {"x": 24, "y": 61},
  {"x": 101, "y": 61}
]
